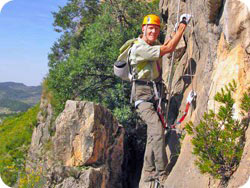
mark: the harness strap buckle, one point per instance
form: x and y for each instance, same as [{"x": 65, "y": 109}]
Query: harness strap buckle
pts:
[
  {"x": 138, "y": 102},
  {"x": 132, "y": 92},
  {"x": 155, "y": 91}
]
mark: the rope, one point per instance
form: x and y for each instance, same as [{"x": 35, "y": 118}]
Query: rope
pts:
[
  {"x": 189, "y": 63},
  {"x": 192, "y": 30},
  {"x": 171, "y": 69}
]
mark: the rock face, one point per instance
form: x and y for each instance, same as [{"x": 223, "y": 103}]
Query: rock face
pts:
[
  {"x": 84, "y": 134},
  {"x": 85, "y": 151},
  {"x": 216, "y": 52},
  {"x": 236, "y": 24},
  {"x": 41, "y": 134}
]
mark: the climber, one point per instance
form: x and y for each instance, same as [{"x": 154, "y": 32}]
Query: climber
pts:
[{"x": 145, "y": 57}]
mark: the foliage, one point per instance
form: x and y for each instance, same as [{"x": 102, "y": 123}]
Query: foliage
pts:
[
  {"x": 32, "y": 179},
  {"x": 3, "y": 116},
  {"x": 48, "y": 95},
  {"x": 245, "y": 102},
  {"x": 87, "y": 72},
  {"x": 15, "y": 138},
  {"x": 72, "y": 20},
  {"x": 219, "y": 137}
]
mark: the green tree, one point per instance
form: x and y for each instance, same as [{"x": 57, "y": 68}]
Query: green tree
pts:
[
  {"x": 71, "y": 20},
  {"x": 87, "y": 73},
  {"x": 219, "y": 138}
]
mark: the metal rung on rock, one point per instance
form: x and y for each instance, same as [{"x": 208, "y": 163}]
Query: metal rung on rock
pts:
[
  {"x": 188, "y": 75},
  {"x": 157, "y": 184}
]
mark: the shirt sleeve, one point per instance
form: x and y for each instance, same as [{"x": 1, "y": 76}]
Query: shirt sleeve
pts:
[{"x": 141, "y": 53}]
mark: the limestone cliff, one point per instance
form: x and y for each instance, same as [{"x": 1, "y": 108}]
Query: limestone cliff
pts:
[{"x": 217, "y": 51}]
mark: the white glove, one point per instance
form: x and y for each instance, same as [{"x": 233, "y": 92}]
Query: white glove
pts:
[
  {"x": 176, "y": 27},
  {"x": 186, "y": 17},
  {"x": 191, "y": 96}
]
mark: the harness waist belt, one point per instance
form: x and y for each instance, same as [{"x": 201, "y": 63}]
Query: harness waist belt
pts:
[{"x": 142, "y": 82}]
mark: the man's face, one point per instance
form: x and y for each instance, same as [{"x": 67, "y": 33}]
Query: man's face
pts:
[{"x": 151, "y": 32}]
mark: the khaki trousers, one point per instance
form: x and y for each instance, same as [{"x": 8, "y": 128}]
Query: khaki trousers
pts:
[{"x": 155, "y": 158}]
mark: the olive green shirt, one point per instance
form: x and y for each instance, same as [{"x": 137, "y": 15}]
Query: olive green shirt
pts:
[{"x": 144, "y": 59}]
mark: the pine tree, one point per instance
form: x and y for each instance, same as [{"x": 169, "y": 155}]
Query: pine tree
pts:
[{"x": 219, "y": 138}]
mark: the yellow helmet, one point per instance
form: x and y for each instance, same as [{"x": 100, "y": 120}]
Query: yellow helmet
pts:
[{"x": 151, "y": 19}]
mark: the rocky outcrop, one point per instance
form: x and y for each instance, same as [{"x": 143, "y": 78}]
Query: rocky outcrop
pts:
[
  {"x": 88, "y": 178},
  {"x": 85, "y": 151},
  {"x": 41, "y": 134}
]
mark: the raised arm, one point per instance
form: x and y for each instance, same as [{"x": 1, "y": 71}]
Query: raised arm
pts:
[{"x": 170, "y": 45}]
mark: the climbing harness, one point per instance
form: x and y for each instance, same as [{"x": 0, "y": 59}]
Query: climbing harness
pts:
[
  {"x": 156, "y": 99},
  {"x": 157, "y": 184}
]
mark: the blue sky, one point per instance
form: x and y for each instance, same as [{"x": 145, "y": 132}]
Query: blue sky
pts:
[{"x": 26, "y": 36}]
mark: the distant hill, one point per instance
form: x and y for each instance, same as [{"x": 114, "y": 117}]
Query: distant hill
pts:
[{"x": 17, "y": 97}]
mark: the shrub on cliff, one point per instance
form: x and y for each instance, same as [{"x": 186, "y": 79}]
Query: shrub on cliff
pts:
[{"x": 219, "y": 138}]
